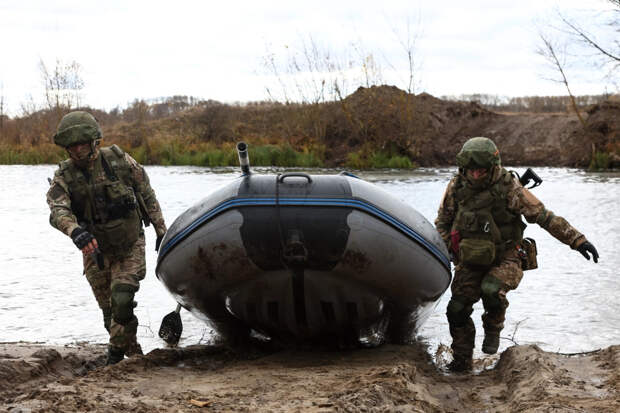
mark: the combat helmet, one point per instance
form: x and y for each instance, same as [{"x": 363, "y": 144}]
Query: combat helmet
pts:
[
  {"x": 77, "y": 127},
  {"x": 478, "y": 152}
]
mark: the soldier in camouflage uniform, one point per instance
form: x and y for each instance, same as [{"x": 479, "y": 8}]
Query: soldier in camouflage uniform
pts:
[
  {"x": 100, "y": 197},
  {"x": 479, "y": 219}
]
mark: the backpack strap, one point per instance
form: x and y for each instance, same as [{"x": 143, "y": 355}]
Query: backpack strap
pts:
[{"x": 115, "y": 165}]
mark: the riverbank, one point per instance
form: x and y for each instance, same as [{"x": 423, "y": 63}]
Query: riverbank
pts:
[
  {"x": 39, "y": 378},
  {"x": 376, "y": 127}
]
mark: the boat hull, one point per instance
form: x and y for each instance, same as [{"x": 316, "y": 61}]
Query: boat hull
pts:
[{"x": 305, "y": 258}]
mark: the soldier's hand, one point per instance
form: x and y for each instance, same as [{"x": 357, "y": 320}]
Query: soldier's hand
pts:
[
  {"x": 158, "y": 242},
  {"x": 84, "y": 240},
  {"x": 587, "y": 247}
]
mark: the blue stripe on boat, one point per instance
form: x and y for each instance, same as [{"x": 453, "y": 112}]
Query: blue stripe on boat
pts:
[{"x": 336, "y": 202}]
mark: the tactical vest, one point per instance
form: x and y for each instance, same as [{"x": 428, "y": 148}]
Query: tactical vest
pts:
[
  {"x": 107, "y": 208},
  {"x": 485, "y": 225}
]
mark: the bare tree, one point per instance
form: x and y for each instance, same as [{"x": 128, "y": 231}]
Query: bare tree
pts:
[
  {"x": 609, "y": 54},
  {"x": 63, "y": 85},
  {"x": 371, "y": 68},
  {"x": 556, "y": 58},
  {"x": 408, "y": 40},
  {"x": 308, "y": 73}
]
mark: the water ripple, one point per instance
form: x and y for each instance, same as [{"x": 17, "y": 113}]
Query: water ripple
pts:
[{"x": 568, "y": 304}]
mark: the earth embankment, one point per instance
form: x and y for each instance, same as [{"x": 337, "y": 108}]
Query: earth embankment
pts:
[{"x": 431, "y": 131}]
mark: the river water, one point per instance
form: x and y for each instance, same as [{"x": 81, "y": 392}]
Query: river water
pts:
[{"x": 568, "y": 304}]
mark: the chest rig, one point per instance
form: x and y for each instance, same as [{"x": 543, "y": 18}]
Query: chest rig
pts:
[
  {"x": 486, "y": 227},
  {"x": 104, "y": 200}
]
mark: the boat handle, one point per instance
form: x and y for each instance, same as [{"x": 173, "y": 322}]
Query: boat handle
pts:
[{"x": 299, "y": 174}]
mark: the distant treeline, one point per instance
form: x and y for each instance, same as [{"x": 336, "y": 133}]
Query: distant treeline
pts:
[
  {"x": 535, "y": 104},
  {"x": 379, "y": 126}
]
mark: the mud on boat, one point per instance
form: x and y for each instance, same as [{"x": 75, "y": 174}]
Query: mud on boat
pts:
[{"x": 298, "y": 257}]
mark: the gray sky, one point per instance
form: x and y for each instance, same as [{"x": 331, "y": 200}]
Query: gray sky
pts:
[{"x": 215, "y": 49}]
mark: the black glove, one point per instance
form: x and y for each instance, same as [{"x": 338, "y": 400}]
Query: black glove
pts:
[
  {"x": 81, "y": 237},
  {"x": 587, "y": 247},
  {"x": 158, "y": 242}
]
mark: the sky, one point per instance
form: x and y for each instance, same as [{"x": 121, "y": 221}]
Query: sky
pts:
[{"x": 217, "y": 49}]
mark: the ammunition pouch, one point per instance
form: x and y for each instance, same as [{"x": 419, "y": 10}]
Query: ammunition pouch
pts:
[
  {"x": 485, "y": 223},
  {"x": 529, "y": 262},
  {"x": 121, "y": 200},
  {"x": 118, "y": 235},
  {"x": 477, "y": 252},
  {"x": 123, "y": 225}
]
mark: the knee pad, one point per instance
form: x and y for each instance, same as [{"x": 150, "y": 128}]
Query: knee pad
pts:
[
  {"x": 490, "y": 289},
  {"x": 458, "y": 312},
  {"x": 122, "y": 303}
]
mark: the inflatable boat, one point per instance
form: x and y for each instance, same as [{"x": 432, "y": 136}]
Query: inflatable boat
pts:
[{"x": 298, "y": 257}]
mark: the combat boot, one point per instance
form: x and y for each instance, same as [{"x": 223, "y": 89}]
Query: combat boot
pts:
[
  {"x": 115, "y": 355},
  {"x": 134, "y": 349},
  {"x": 491, "y": 342},
  {"x": 460, "y": 364}
]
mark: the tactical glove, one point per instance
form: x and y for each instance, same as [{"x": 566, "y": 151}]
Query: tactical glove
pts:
[
  {"x": 587, "y": 247},
  {"x": 158, "y": 242},
  {"x": 81, "y": 237}
]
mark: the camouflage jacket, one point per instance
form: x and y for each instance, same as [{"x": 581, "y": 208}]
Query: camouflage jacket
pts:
[
  {"x": 520, "y": 201},
  {"x": 63, "y": 217}
]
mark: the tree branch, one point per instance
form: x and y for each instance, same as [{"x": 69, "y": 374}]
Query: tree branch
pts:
[
  {"x": 549, "y": 53},
  {"x": 586, "y": 38}
]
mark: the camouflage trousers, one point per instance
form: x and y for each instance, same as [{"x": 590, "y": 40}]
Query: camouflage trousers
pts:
[
  {"x": 120, "y": 273},
  {"x": 492, "y": 285}
]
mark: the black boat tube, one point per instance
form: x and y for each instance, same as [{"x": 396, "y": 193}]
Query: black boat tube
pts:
[{"x": 244, "y": 158}]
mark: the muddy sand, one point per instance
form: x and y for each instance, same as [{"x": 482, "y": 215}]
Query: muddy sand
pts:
[{"x": 39, "y": 378}]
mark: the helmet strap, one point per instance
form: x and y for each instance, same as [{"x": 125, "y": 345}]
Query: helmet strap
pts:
[{"x": 93, "y": 149}]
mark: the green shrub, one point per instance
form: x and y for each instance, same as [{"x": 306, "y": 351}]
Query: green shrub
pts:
[
  {"x": 381, "y": 159},
  {"x": 400, "y": 162},
  {"x": 31, "y": 155},
  {"x": 600, "y": 161}
]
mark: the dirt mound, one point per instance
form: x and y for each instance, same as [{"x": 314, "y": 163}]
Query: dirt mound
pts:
[
  {"x": 387, "y": 378},
  {"x": 418, "y": 126},
  {"x": 431, "y": 131}
]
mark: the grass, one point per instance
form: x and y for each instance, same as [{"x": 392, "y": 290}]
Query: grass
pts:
[
  {"x": 176, "y": 152},
  {"x": 30, "y": 155},
  {"x": 600, "y": 161}
]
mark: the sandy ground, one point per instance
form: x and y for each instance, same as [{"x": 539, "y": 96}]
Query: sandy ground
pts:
[{"x": 37, "y": 378}]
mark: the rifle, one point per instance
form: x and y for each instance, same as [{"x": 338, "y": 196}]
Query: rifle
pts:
[
  {"x": 146, "y": 219},
  {"x": 530, "y": 175}
]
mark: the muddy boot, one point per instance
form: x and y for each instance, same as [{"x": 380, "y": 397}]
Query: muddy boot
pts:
[
  {"x": 491, "y": 342},
  {"x": 460, "y": 364},
  {"x": 115, "y": 355},
  {"x": 134, "y": 349}
]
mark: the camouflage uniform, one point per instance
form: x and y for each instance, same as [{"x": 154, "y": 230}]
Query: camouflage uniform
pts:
[
  {"x": 493, "y": 281},
  {"x": 122, "y": 269},
  {"x": 470, "y": 284}
]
